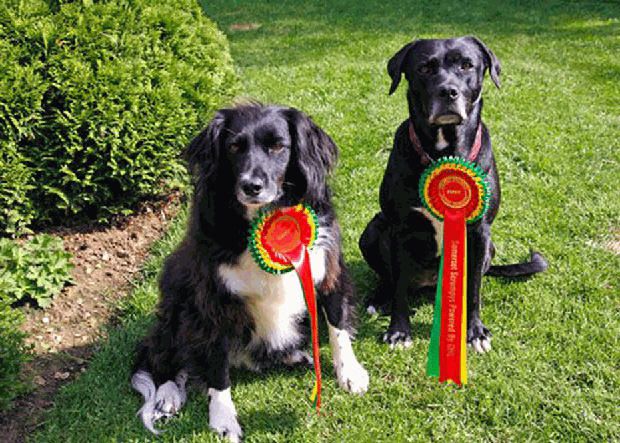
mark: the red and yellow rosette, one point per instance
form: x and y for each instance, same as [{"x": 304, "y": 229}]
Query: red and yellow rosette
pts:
[
  {"x": 456, "y": 191},
  {"x": 279, "y": 240}
]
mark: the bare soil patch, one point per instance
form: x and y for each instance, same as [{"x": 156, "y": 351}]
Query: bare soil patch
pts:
[
  {"x": 613, "y": 244},
  {"x": 65, "y": 335},
  {"x": 245, "y": 26}
]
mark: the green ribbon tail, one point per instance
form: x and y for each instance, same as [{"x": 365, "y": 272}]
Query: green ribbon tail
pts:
[{"x": 432, "y": 364}]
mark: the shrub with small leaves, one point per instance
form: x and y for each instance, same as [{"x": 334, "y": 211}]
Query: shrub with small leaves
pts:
[
  {"x": 15, "y": 183},
  {"x": 22, "y": 49},
  {"x": 35, "y": 270},
  {"x": 98, "y": 99}
]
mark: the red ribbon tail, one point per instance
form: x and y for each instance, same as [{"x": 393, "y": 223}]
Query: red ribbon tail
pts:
[
  {"x": 451, "y": 335},
  {"x": 301, "y": 262}
]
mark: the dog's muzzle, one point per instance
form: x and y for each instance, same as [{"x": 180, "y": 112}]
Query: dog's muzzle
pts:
[
  {"x": 448, "y": 113},
  {"x": 447, "y": 107},
  {"x": 255, "y": 191}
]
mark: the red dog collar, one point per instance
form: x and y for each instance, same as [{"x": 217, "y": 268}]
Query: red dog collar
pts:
[{"x": 426, "y": 160}]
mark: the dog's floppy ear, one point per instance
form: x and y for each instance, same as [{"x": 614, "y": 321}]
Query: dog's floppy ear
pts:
[
  {"x": 491, "y": 62},
  {"x": 314, "y": 154},
  {"x": 202, "y": 153},
  {"x": 396, "y": 64}
]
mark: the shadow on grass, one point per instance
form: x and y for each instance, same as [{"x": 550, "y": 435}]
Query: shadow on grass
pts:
[{"x": 109, "y": 408}]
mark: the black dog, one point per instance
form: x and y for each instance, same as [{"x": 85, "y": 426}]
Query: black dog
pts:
[
  {"x": 403, "y": 242},
  {"x": 218, "y": 308}
]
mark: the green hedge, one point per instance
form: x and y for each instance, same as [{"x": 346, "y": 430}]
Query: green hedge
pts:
[{"x": 97, "y": 99}]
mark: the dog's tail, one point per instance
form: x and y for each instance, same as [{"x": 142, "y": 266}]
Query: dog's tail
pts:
[
  {"x": 536, "y": 264},
  {"x": 142, "y": 381}
]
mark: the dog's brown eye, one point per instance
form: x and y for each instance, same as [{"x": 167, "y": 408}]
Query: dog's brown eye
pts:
[
  {"x": 276, "y": 147},
  {"x": 233, "y": 148},
  {"x": 424, "y": 69},
  {"x": 466, "y": 65}
]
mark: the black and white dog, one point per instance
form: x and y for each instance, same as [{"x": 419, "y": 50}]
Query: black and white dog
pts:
[
  {"x": 403, "y": 242},
  {"x": 218, "y": 308}
]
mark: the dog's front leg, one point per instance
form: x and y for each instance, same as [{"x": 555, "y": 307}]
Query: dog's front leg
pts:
[
  {"x": 222, "y": 412},
  {"x": 338, "y": 308},
  {"x": 402, "y": 270},
  {"x": 399, "y": 331},
  {"x": 479, "y": 254}
]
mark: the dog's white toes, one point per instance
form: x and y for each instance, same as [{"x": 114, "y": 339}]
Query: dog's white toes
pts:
[
  {"x": 476, "y": 345},
  {"x": 481, "y": 345},
  {"x": 227, "y": 427},
  {"x": 223, "y": 415},
  {"x": 229, "y": 434},
  {"x": 485, "y": 343},
  {"x": 169, "y": 399},
  {"x": 159, "y": 403},
  {"x": 401, "y": 344},
  {"x": 352, "y": 377},
  {"x": 397, "y": 340},
  {"x": 372, "y": 311}
]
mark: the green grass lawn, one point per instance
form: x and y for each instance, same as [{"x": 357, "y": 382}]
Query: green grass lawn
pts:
[{"x": 554, "y": 372}]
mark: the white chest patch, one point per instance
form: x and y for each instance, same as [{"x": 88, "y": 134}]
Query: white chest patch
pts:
[
  {"x": 274, "y": 301},
  {"x": 441, "y": 141},
  {"x": 437, "y": 225}
]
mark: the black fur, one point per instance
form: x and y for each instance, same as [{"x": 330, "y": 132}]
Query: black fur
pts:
[
  {"x": 444, "y": 94},
  {"x": 245, "y": 153}
]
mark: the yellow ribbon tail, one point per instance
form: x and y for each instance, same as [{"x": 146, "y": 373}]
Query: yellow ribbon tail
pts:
[
  {"x": 314, "y": 392},
  {"x": 464, "y": 319}
]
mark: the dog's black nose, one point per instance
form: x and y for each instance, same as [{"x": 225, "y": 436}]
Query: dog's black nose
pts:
[
  {"x": 252, "y": 187},
  {"x": 449, "y": 92}
]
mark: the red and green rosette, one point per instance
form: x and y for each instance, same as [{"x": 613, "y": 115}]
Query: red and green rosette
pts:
[
  {"x": 279, "y": 241},
  {"x": 274, "y": 233},
  {"x": 456, "y": 191}
]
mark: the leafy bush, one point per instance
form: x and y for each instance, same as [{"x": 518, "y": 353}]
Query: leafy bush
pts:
[
  {"x": 37, "y": 269},
  {"x": 97, "y": 100},
  {"x": 21, "y": 91},
  {"x": 13, "y": 352},
  {"x": 15, "y": 183}
]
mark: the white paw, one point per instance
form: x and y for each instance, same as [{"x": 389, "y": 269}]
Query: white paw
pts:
[
  {"x": 350, "y": 374},
  {"x": 481, "y": 345},
  {"x": 169, "y": 399},
  {"x": 352, "y": 377},
  {"x": 162, "y": 402},
  {"x": 223, "y": 415}
]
